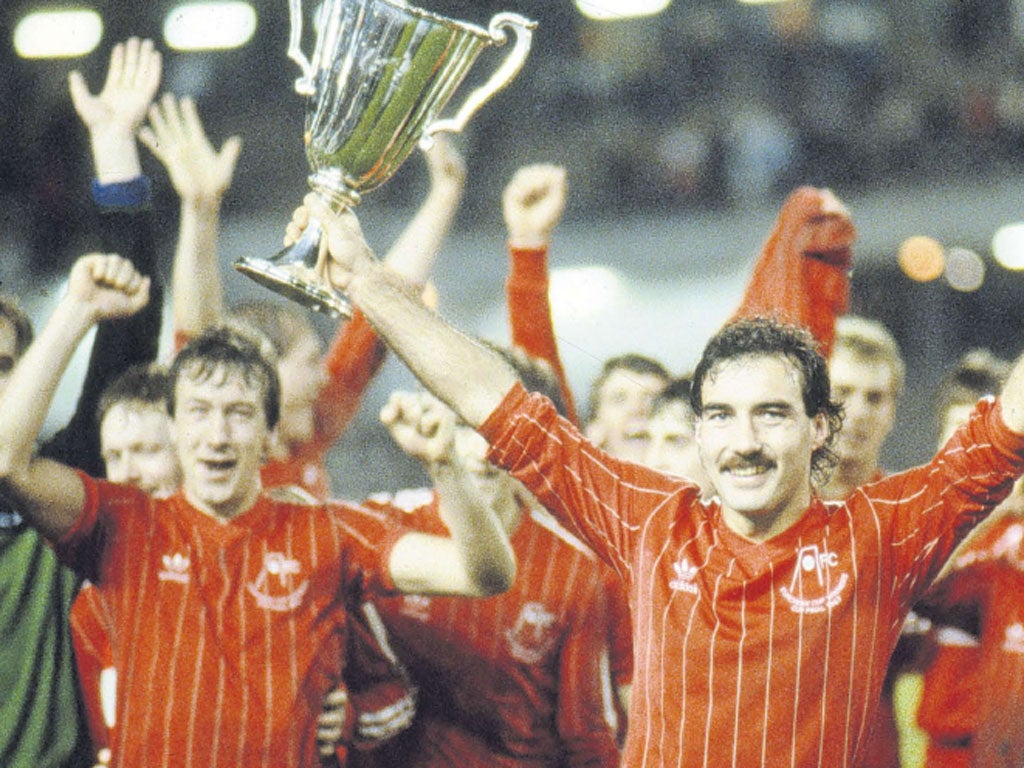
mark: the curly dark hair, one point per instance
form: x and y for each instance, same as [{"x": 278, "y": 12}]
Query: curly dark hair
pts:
[{"x": 761, "y": 337}]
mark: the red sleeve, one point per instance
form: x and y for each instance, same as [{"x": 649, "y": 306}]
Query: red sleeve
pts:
[
  {"x": 79, "y": 548},
  {"x": 529, "y": 313},
  {"x": 928, "y": 510},
  {"x": 620, "y": 626},
  {"x": 949, "y": 705},
  {"x": 110, "y": 513},
  {"x": 587, "y": 714},
  {"x": 802, "y": 275},
  {"x": 91, "y": 640},
  {"x": 573, "y": 479},
  {"x": 352, "y": 361}
]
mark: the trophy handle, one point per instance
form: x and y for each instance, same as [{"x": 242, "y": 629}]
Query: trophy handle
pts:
[
  {"x": 509, "y": 68},
  {"x": 304, "y": 86}
]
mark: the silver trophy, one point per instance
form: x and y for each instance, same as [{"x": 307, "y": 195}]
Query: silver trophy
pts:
[{"x": 381, "y": 72}]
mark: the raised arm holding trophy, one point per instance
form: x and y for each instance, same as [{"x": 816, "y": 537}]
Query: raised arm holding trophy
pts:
[{"x": 380, "y": 74}]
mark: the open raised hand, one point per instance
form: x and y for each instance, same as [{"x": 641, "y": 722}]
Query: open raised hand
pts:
[
  {"x": 132, "y": 81},
  {"x": 175, "y": 135}
]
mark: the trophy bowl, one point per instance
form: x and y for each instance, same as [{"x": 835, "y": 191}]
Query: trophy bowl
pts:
[{"x": 380, "y": 74}]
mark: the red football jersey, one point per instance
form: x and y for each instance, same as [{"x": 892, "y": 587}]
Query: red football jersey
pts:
[
  {"x": 519, "y": 680},
  {"x": 226, "y": 636},
  {"x": 757, "y": 654}
]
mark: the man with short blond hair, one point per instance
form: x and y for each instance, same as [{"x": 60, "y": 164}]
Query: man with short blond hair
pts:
[{"x": 867, "y": 372}]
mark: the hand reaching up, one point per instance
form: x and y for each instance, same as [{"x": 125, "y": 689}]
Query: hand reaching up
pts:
[
  {"x": 342, "y": 238},
  {"x": 114, "y": 115},
  {"x": 175, "y": 135},
  {"x": 447, "y": 168}
]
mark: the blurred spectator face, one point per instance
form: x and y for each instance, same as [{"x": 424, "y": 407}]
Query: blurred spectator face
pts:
[
  {"x": 867, "y": 391},
  {"x": 302, "y": 380},
  {"x": 623, "y": 407},
  {"x": 673, "y": 448},
  {"x": 136, "y": 445},
  {"x": 8, "y": 351}
]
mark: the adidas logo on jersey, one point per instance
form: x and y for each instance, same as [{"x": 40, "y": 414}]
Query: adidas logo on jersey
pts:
[
  {"x": 175, "y": 568},
  {"x": 686, "y": 573}
]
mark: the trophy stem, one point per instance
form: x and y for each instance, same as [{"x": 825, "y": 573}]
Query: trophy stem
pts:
[
  {"x": 334, "y": 189},
  {"x": 380, "y": 73},
  {"x": 292, "y": 273}
]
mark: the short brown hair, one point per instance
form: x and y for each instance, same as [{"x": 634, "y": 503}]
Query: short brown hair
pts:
[
  {"x": 634, "y": 363},
  {"x": 223, "y": 347},
  {"x": 979, "y": 373},
  {"x": 145, "y": 384}
]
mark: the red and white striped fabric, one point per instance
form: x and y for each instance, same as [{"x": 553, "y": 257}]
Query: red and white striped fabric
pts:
[
  {"x": 753, "y": 654},
  {"x": 226, "y": 636},
  {"x": 519, "y": 680}
]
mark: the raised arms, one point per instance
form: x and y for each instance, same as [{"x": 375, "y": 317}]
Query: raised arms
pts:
[
  {"x": 470, "y": 378},
  {"x": 201, "y": 175},
  {"x": 100, "y": 287},
  {"x": 477, "y": 559}
]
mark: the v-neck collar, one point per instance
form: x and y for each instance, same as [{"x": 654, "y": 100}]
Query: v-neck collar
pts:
[{"x": 749, "y": 559}]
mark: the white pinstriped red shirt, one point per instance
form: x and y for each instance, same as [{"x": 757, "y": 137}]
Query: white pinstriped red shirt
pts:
[
  {"x": 518, "y": 680},
  {"x": 226, "y": 635},
  {"x": 757, "y": 654}
]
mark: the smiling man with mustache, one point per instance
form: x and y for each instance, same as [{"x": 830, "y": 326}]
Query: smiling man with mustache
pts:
[{"x": 764, "y": 616}]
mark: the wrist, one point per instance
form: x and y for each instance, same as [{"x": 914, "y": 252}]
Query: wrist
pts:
[
  {"x": 75, "y": 315},
  {"x": 445, "y": 193},
  {"x": 441, "y": 470},
  {"x": 442, "y": 463},
  {"x": 367, "y": 271},
  {"x": 529, "y": 240},
  {"x": 115, "y": 156},
  {"x": 204, "y": 206}
]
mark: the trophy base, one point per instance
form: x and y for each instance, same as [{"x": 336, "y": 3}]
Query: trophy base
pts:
[{"x": 294, "y": 283}]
